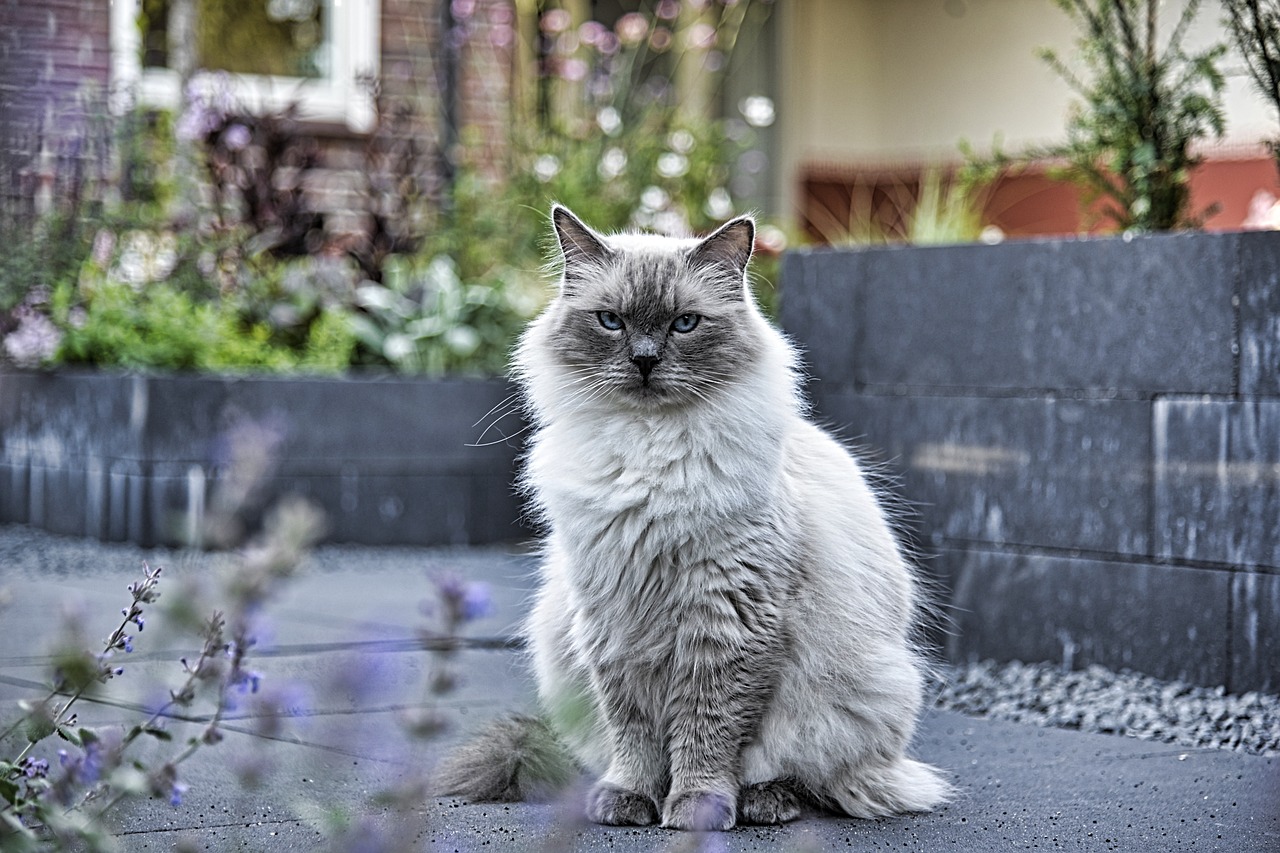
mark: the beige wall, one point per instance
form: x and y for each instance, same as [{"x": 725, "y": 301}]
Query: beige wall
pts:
[{"x": 885, "y": 81}]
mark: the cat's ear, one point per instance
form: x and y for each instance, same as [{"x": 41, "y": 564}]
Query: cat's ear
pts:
[
  {"x": 728, "y": 251},
  {"x": 583, "y": 250}
]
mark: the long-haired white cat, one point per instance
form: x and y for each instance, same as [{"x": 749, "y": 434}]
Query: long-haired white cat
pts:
[{"x": 723, "y": 632}]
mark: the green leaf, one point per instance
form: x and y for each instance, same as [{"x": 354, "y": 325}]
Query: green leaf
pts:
[
  {"x": 70, "y": 736},
  {"x": 38, "y": 728},
  {"x": 9, "y": 790},
  {"x": 158, "y": 733},
  {"x": 128, "y": 780}
]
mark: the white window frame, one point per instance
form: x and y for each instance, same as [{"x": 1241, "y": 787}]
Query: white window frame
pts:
[{"x": 340, "y": 97}]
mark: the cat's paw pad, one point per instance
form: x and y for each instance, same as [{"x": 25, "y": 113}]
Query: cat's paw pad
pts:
[
  {"x": 614, "y": 806},
  {"x": 768, "y": 803},
  {"x": 699, "y": 810}
]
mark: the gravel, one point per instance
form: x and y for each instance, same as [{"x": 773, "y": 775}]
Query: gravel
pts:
[{"x": 1097, "y": 699}]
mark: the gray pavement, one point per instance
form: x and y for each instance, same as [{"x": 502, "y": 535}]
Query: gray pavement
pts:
[{"x": 343, "y": 658}]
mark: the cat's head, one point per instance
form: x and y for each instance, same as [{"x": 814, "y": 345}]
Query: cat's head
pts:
[{"x": 648, "y": 319}]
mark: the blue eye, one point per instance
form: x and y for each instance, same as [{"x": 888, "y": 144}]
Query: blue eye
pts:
[
  {"x": 685, "y": 323},
  {"x": 609, "y": 320}
]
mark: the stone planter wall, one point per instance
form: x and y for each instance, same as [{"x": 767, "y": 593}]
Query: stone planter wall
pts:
[
  {"x": 1088, "y": 434},
  {"x": 390, "y": 461}
]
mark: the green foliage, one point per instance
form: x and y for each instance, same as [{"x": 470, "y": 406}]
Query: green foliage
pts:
[
  {"x": 940, "y": 210},
  {"x": 448, "y": 274},
  {"x": 145, "y": 146},
  {"x": 36, "y": 258},
  {"x": 163, "y": 328},
  {"x": 424, "y": 318},
  {"x": 1129, "y": 143},
  {"x": 663, "y": 171},
  {"x": 1255, "y": 28}
]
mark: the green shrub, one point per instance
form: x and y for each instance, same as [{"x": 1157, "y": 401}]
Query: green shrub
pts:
[
  {"x": 1129, "y": 144},
  {"x": 425, "y": 319},
  {"x": 1255, "y": 28},
  {"x": 162, "y": 328}
]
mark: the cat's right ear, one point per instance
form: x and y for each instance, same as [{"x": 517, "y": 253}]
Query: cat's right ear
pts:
[{"x": 583, "y": 250}]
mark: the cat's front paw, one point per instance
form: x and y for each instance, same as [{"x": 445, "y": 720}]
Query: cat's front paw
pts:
[
  {"x": 614, "y": 806},
  {"x": 699, "y": 810},
  {"x": 768, "y": 803}
]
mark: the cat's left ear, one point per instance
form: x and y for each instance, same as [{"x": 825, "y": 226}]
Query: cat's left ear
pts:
[{"x": 728, "y": 250}]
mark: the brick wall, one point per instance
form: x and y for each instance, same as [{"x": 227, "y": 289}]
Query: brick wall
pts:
[
  {"x": 55, "y": 51},
  {"x": 52, "y": 50},
  {"x": 54, "y": 72}
]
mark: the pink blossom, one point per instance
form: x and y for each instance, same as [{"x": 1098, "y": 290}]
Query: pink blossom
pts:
[
  {"x": 236, "y": 137},
  {"x": 632, "y": 28},
  {"x": 501, "y": 36},
  {"x": 591, "y": 31},
  {"x": 608, "y": 44},
  {"x": 573, "y": 70},
  {"x": 556, "y": 21},
  {"x": 34, "y": 341}
]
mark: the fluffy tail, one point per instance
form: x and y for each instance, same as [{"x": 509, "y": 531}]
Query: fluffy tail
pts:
[
  {"x": 900, "y": 786},
  {"x": 513, "y": 759}
]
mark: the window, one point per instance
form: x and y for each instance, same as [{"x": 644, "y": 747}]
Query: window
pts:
[{"x": 314, "y": 52}]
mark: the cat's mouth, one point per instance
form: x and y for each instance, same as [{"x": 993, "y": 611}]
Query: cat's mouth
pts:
[{"x": 652, "y": 391}]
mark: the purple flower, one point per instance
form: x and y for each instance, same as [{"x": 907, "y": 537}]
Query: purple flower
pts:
[
  {"x": 35, "y": 340},
  {"x": 476, "y": 602},
  {"x": 176, "y": 792},
  {"x": 209, "y": 102},
  {"x": 464, "y": 601},
  {"x": 246, "y": 680},
  {"x": 84, "y": 769},
  {"x": 34, "y": 768},
  {"x": 236, "y": 137}
]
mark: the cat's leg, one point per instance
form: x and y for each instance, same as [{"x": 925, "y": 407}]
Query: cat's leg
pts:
[
  {"x": 564, "y": 681},
  {"x": 630, "y": 789},
  {"x": 595, "y": 712},
  {"x": 771, "y": 793},
  {"x": 717, "y": 699},
  {"x": 768, "y": 803}
]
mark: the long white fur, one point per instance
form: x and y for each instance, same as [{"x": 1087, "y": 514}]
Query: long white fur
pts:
[{"x": 845, "y": 707}]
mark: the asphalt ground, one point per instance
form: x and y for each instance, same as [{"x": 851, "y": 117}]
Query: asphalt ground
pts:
[{"x": 341, "y": 654}]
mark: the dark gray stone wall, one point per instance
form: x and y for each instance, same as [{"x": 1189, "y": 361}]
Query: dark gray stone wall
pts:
[
  {"x": 137, "y": 458},
  {"x": 1087, "y": 433}
]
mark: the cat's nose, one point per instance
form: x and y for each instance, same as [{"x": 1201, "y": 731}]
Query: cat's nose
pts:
[
  {"x": 645, "y": 354},
  {"x": 644, "y": 363}
]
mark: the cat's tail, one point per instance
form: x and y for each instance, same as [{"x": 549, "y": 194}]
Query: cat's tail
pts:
[
  {"x": 513, "y": 759},
  {"x": 897, "y": 787}
]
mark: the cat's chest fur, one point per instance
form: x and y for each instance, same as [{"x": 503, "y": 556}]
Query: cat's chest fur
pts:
[
  {"x": 689, "y": 466},
  {"x": 656, "y": 508}
]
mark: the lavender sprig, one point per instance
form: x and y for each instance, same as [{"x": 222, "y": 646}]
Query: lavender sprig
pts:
[{"x": 39, "y": 720}]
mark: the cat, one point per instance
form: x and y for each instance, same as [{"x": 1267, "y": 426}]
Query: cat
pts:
[{"x": 723, "y": 630}]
